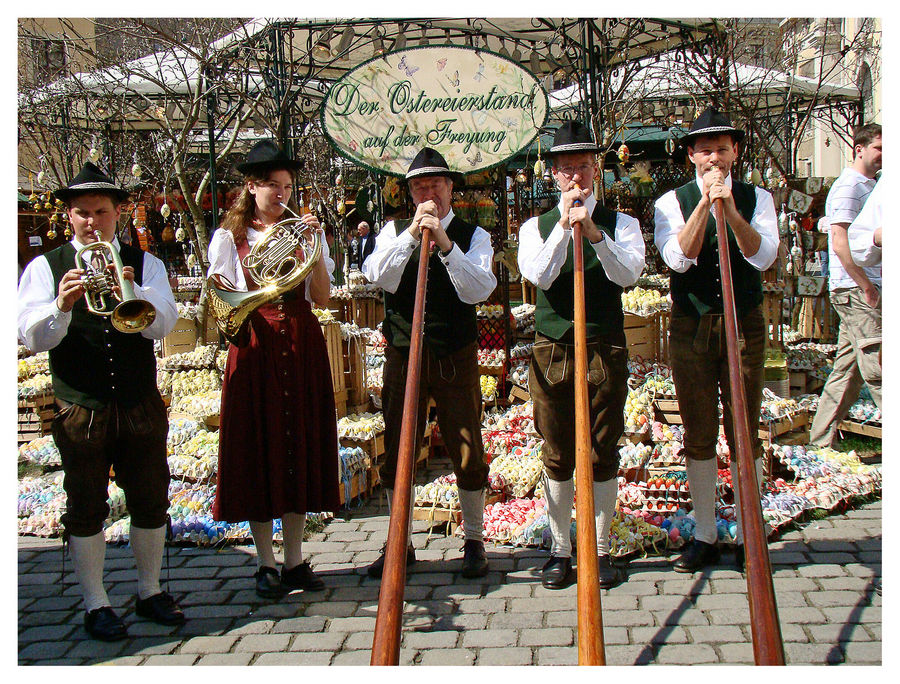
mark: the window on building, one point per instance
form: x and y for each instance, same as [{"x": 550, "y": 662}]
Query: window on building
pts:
[{"x": 49, "y": 57}]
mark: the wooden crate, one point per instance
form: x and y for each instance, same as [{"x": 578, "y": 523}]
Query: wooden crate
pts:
[
  {"x": 353, "y": 352},
  {"x": 35, "y": 417},
  {"x": 642, "y": 336},
  {"x": 865, "y": 429},
  {"x": 366, "y": 312},
  {"x": 183, "y": 337},
  {"x": 340, "y": 402},
  {"x": 373, "y": 447},
  {"x": 769, "y": 431},
  {"x": 666, "y": 411},
  {"x": 517, "y": 394},
  {"x": 332, "y": 333}
]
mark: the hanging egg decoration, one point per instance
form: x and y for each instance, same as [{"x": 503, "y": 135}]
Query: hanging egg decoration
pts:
[
  {"x": 51, "y": 234},
  {"x": 181, "y": 235},
  {"x": 794, "y": 226},
  {"x": 756, "y": 177},
  {"x": 783, "y": 226},
  {"x": 539, "y": 167},
  {"x": 623, "y": 153},
  {"x": 670, "y": 146},
  {"x": 67, "y": 233},
  {"x": 341, "y": 207},
  {"x": 165, "y": 210},
  {"x": 521, "y": 177},
  {"x": 339, "y": 181},
  {"x": 41, "y": 177},
  {"x": 94, "y": 154},
  {"x": 136, "y": 170},
  {"x": 370, "y": 206},
  {"x": 771, "y": 174}
]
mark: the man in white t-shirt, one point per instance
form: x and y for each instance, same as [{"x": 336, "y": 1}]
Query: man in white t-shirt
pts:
[
  {"x": 855, "y": 293},
  {"x": 864, "y": 234}
]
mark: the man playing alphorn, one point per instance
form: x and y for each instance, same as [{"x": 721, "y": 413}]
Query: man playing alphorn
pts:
[
  {"x": 686, "y": 239},
  {"x": 459, "y": 276},
  {"x": 613, "y": 259}
]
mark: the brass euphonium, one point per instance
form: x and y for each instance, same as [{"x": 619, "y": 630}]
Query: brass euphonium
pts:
[
  {"x": 127, "y": 313},
  {"x": 274, "y": 265}
]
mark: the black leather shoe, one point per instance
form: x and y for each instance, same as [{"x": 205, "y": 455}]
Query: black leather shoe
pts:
[
  {"x": 696, "y": 556},
  {"x": 377, "y": 567},
  {"x": 161, "y": 608},
  {"x": 474, "y": 561},
  {"x": 105, "y": 625},
  {"x": 268, "y": 584},
  {"x": 739, "y": 557},
  {"x": 301, "y": 577},
  {"x": 557, "y": 572},
  {"x": 608, "y": 572}
]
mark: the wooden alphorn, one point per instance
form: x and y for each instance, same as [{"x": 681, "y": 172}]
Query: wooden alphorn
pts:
[
  {"x": 386, "y": 642},
  {"x": 590, "y": 618},
  {"x": 765, "y": 630}
]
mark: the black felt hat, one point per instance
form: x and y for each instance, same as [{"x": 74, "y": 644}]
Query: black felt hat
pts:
[
  {"x": 430, "y": 162},
  {"x": 90, "y": 180},
  {"x": 712, "y": 122},
  {"x": 266, "y": 156},
  {"x": 573, "y": 136}
]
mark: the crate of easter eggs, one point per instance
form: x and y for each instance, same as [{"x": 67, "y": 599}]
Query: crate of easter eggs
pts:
[{"x": 665, "y": 491}]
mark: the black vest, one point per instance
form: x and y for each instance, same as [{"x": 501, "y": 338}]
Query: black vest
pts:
[
  {"x": 555, "y": 308},
  {"x": 698, "y": 290},
  {"x": 450, "y": 324},
  {"x": 95, "y": 363}
]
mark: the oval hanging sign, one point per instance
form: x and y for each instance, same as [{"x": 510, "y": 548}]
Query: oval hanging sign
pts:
[{"x": 475, "y": 107}]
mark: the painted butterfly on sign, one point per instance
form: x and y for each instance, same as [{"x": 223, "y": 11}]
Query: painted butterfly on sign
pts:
[
  {"x": 474, "y": 160},
  {"x": 403, "y": 66},
  {"x": 480, "y": 73},
  {"x": 441, "y": 63}
]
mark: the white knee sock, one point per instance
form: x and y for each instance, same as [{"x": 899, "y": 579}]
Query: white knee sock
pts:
[
  {"x": 292, "y": 525},
  {"x": 147, "y": 545},
  {"x": 262, "y": 539},
  {"x": 412, "y": 503},
  {"x": 560, "y": 497},
  {"x": 605, "y": 494},
  {"x": 88, "y": 554},
  {"x": 471, "y": 501},
  {"x": 702, "y": 479},
  {"x": 758, "y": 466}
]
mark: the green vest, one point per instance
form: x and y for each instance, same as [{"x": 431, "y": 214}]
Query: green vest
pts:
[
  {"x": 95, "y": 364},
  {"x": 555, "y": 308},
  {"x": 698, "y": 290},
  {"x": 450, "y": 323}
]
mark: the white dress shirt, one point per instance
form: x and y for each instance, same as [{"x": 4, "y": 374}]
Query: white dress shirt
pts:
[
  {"x": 622, "y": 258},
  {"x": 669, "y": 222},
  {"x": 42, "y": 326},
  {"x": 845, "y": 200},
  {"x": 861, "y": 232},
  {"x": 224, "y": 260},
  {"x": 470, "y": 272}
]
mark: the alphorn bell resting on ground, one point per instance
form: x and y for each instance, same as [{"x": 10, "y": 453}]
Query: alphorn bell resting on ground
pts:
[
  {"x": 613, "y": 259},
  {"x": 686, "y": 239},
  {"x": 459, "y": 276}
]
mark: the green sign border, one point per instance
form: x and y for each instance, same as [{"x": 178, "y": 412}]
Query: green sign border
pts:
[{"x": 375, "y": 169}]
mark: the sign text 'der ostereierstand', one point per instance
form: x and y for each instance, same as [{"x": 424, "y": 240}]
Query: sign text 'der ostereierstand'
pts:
[{"x": 475, "y": 107}]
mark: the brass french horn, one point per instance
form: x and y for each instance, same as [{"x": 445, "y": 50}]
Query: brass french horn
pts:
[
  {"x": 274, "y": 265},
  {"x": 127, "y": 313}
]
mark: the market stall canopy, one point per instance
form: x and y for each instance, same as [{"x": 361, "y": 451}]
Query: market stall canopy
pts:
[{"x": 673, "y": 76}]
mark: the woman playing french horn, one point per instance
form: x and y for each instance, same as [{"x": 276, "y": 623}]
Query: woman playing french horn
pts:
[{"x": 278, "y": 436}]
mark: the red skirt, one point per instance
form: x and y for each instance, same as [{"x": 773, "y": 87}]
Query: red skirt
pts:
[{"x": 278, "y": 446}]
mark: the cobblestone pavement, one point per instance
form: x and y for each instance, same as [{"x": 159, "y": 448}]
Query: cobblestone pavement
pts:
[{"x": 825, "y": 576}]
